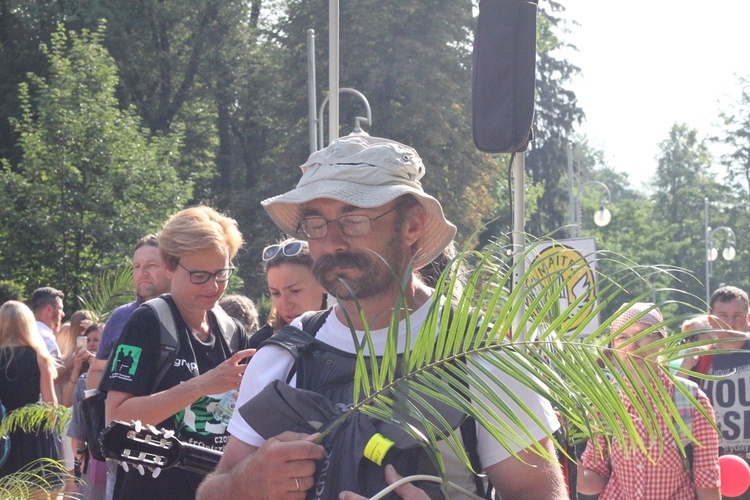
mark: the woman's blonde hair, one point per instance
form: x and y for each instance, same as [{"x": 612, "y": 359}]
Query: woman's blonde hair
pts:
[
  {"x": 18, "y": 328},
  {"x": 195, "y": 229}
]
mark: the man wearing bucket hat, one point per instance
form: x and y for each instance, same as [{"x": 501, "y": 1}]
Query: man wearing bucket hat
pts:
[{"x": 369, "y": 226}]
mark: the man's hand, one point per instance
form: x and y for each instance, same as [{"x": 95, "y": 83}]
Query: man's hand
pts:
[
  {"x": 282, "y": 468},
  {"x": 406, "y": 491}
]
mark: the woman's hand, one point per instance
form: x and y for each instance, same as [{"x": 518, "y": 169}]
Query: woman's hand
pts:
[
  {"x": 80, "y": 357},
  {"x": 227, "y": 375}
]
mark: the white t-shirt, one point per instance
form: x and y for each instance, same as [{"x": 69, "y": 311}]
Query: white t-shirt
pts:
[{"x": 274, "y": 363}]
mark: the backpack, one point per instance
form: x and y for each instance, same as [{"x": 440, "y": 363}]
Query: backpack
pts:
[
  {"x": 5, "y": 439},
  {"x": 93, "y": 407},
  {"x": 320, "y": 368}
]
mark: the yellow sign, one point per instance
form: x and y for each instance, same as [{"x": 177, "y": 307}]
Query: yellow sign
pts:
[{"x": 569, "y": 269}]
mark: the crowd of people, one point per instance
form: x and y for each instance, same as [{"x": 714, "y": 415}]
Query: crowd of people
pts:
[{"x": 363, "y": 235}]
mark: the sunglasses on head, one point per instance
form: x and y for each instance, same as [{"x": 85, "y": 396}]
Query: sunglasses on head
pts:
[{"x": 287, "y": 249}]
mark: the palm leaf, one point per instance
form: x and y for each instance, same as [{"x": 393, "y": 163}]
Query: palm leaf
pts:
[
  {"x": 109, "y": 290},
  {"x": 44, "y": 475},
  {"x": 521, "y": 331},
  {"x": 37, "y": 417}
]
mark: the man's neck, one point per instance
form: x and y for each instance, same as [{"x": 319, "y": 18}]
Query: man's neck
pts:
[{"x": 379, "y": 310}]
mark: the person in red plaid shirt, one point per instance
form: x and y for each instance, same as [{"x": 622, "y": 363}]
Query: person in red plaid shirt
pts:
[{"x": 628, "y": 473}]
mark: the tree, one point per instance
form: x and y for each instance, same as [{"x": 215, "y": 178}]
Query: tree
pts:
[
  {"x": 736, "y": 136},
  {"x": 556, "y": 114},
  {"x": 682, "y": 182},
  {"x": 90, "y": 181},
  {"x": 412, "y": 60}
]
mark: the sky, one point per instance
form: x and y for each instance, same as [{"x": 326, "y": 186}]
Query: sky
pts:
[{"x": 649, "y": 64}]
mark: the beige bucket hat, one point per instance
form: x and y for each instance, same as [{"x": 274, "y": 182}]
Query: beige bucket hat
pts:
[{"x": 365, "y": 172}]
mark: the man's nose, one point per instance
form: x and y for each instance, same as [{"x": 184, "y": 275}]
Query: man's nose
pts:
[{"x": 334, "y": 239}]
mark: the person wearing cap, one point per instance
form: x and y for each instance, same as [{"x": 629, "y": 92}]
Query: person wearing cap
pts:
[
  {"x": 362, "y": 209},
  {"x": 613, "y": 472}
]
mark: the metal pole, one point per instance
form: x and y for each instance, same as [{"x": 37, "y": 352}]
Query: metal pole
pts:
[
  {"x": 518, "y": 234},
  {"x": 312, "y": 104},
  {"x": 708, "y": 249},
  {"x": 571, "y": 194},
  {"x": 333, "y": 70}
]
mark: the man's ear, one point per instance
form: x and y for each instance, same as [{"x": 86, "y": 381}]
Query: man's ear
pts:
[{"x": 414, "y": 224}]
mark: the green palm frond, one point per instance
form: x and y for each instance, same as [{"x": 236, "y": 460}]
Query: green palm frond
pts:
[
  {"x": 494, "y": 331},
  {"x": 108, "y": 291},
  {"x": 44, "y": 475},
  {"x": 36, "y": 417}
]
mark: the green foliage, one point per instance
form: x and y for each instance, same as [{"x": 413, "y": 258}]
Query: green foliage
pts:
[
  {"x": 37, "y": 417},
  {"x": 108, "y": 291},
  {"x": 44, "y": 475},
  {"x": 90, "y": 181},
  {"x": 556, "y": 114},
  {"x": 10, "y": 290}
]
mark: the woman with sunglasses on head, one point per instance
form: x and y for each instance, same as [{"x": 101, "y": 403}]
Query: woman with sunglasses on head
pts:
[
  {"x": 291, "y": 284},
  {"x": 197, "y": 246}
]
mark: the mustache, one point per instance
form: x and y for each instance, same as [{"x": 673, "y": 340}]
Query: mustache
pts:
[{"x": 328, "y": 263}]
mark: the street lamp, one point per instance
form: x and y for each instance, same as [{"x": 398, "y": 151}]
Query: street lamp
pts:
[
  {"x": 712, "y": 253},
  {"x": 602, "y": 217},
  {"x": 367, "y": 120}
]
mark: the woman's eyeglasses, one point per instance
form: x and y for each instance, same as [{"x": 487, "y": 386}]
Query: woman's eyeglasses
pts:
[
  {"x": 200, "y": 277},
  {"x": 287, "y": 249}
]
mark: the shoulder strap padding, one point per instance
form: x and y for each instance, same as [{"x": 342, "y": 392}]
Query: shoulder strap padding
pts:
[
  {"x": 295, "y": 340},
  {"x": 169, "y": 341}
]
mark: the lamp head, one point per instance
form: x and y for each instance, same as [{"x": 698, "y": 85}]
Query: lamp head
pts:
[
  {"x": 602, "y": 217},
  {"x": 729, "y": 253}
]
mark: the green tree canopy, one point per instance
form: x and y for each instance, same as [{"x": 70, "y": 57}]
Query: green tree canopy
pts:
[{"x": 90, "y": 181}]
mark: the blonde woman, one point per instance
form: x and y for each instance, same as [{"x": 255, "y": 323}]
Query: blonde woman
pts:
[
  {"x": 26, "y": 371},
  {"x": 197, "y": 246}
]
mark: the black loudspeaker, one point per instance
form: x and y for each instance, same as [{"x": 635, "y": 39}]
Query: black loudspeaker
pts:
[{"x": 503, "y": 75}]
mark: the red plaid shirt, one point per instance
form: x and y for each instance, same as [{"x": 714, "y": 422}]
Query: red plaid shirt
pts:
[{"x": 636, "y": 477}]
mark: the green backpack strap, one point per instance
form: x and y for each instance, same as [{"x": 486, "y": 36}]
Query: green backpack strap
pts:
[{"x": 686, "y": 411}]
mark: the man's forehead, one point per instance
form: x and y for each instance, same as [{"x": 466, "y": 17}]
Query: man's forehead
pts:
[
  {"x": 733, "y": 306},
  {"x": 146, "y": 253}
]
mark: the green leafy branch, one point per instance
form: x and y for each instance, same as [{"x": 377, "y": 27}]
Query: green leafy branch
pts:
[{"x": 496, "y": 331}]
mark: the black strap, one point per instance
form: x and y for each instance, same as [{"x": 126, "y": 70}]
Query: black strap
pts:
[{"x": 469, "y": 438}]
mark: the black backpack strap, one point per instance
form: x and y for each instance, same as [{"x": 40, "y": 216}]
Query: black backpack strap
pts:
[
  {"x": 311, "y": 323},
  {"x": 469, "y": 438},
  {"x": 297, "y": 341}
]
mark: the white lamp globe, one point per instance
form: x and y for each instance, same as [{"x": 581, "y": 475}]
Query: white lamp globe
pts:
[
  {"x": 602, "y": 217},
  {"x": 729, "y": 253}
]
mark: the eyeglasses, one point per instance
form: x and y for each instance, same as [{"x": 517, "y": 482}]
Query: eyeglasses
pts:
[
  {"x": 200, "y": 277},
  {"x": 287, "y": 249},
  {"x": 315, "y": 228}
]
